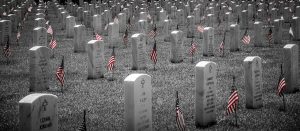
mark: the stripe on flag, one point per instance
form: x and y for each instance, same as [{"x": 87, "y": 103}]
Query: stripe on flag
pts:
[
  {"x": 281, "y": 85},
  {"x": 111, "y": 62},
  {"x": 200, "y": 28},
  {"x": 98, "y": 37},
  {"x": 52, "y": 43},
  {"x": 232, "y": 103},
  {"x": 153, "y": 55},
  {"x": 49, "y": 30}
]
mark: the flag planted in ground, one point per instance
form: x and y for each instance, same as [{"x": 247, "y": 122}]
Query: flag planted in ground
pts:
[
  {"x": 83, "y": 124},
  {"x": 153, "y": 55},
  {"x": 98, "y": 37},
  {"x": 291, "y": 31},
  {"x": 222, "y": 44},
  {"x": 52, "y": 43},
  {"x": 233, "y": 102},
  {"x": 270, "y": 35},
  {"x": 125, "y": 37},
  {"x": 200, "y": 28},
  {"x": 60, "y": 73},
  {"x": 18, "y": 35},
  {"x": 50, "y": 30},
  {"x": 153, "y": 32},
  {"x": 6, "y": 49},
  {"x": 246, "y": 38},
  {"x": 193, "y": 48},
  {"x": 111, "y": 61},
  {"x": 179, "y": 116},
  {"x": 281, "y": 85}
]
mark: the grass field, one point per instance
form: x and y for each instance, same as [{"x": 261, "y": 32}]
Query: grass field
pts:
[{"x": 104, "y": 100}]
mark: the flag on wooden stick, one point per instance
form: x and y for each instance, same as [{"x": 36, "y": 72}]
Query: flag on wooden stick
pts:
[
  {"x": 179, "y": 115},
  {"x": 52, "y": 43},
  {"x": 49, "y": 30},
  {"x": 60, "y": 73},
  {"x": 98, "y": 37},
  {"x": 83, "y": 124},
  {"x": 112, "y": 60},
  {"x": 6, "y": 49},
  {"x": 125, "y": 37},
  {"x": 153, "y": 54},
  {"x": 246, "y": 38}
]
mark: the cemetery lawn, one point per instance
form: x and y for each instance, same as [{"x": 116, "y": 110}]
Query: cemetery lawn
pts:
[{"x": 104, "y": 100}]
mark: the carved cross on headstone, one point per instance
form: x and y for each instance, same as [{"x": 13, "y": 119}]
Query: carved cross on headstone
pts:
[
  {"x": 143, "y": 82},
  {"x": 210, "y": 68},
  {"x": 44, "y": 104}
]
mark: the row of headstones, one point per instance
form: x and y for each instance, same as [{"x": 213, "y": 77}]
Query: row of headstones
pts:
[
  {"x": 9, "y": 24},
  {"x": 39, "y": 111}
]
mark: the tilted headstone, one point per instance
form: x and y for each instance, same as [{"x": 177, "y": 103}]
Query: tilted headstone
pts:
[
  {"x": 79, "y": 38},
  {"x": 38, "y": 112},
  {"x": 205, "y": 100},
  {"x": 291, "y": 67},
  {"x": 138, "y": 52},
  {"x": 253, "y": 82},
  {"x": 39, "y": 37},
  {"x": 176, "y": 55},
  {"x": 208, "y": 47},
  {"x": 70, "y": 23},
  {"x": 39, "y": 68},
  {"x": 138, "y": 102},
  {"x": 95, "y": 51},
  {"x": 234, "y": 37}
]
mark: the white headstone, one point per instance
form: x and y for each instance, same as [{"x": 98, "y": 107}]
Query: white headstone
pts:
[
  {"x": 39, "y": 68},
  {"x": 70, "y": 20},
  {"x": 38, "y": 112},
  {"x": 205, "y": 100},
  {"x": 208, "y": 47},
  {"x": 138, "y": 51},
  {"x": 176, "y": 55},
  {"x": 234, "y": 37},
  {"x": 291, "y": 67},
  {"x": 138, "y": 102},
  {"x": 95, "y": 51},
  {"x": 79, "y": 38},
  {"x": 253, "y": 82},
  {"x": 39, "y": 37}
]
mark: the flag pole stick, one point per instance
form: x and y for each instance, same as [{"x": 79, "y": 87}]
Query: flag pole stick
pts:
[
  {"x": 62, "y": 86},
  {"x": 283, "y": 101},
  {"x": 236, "y": 117}
]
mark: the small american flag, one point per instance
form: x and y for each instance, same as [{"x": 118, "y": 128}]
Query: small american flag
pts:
[
  {"x": 60, "y": 74},
  {"x": 281, "y": 85},
  {"x": 246, "y": 38},
  {"x": 153, "y": 55},
  {"x": 6, "y": 49},
  {"x": 179, "y": 116},
  {"x": 125, "y": 37},
  {"x": 52, "y": 43},
  {"x": 233, "y": 102},
  {"x": 291, "y": 31},
  {"x": 18, "y": 35},
  {"x": 221, "y": 47},
  {"x": 29, "y": 9},
  {"x": 49, "y": 30},
  {"x": 193, "y": 48},
  {"x": 83, "y": 124},
  {"x": 200, "y": 28},
  {"x": 270, "y": 35},
  {"x": 106, "y": 26},
  {"x": 98, "y": 37},
  {"x": 112, "y": 60},
  {"x": 128, "y": 23},
  {"x": 116, "y": 20},
  {"x": 152, "y": 33}
]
